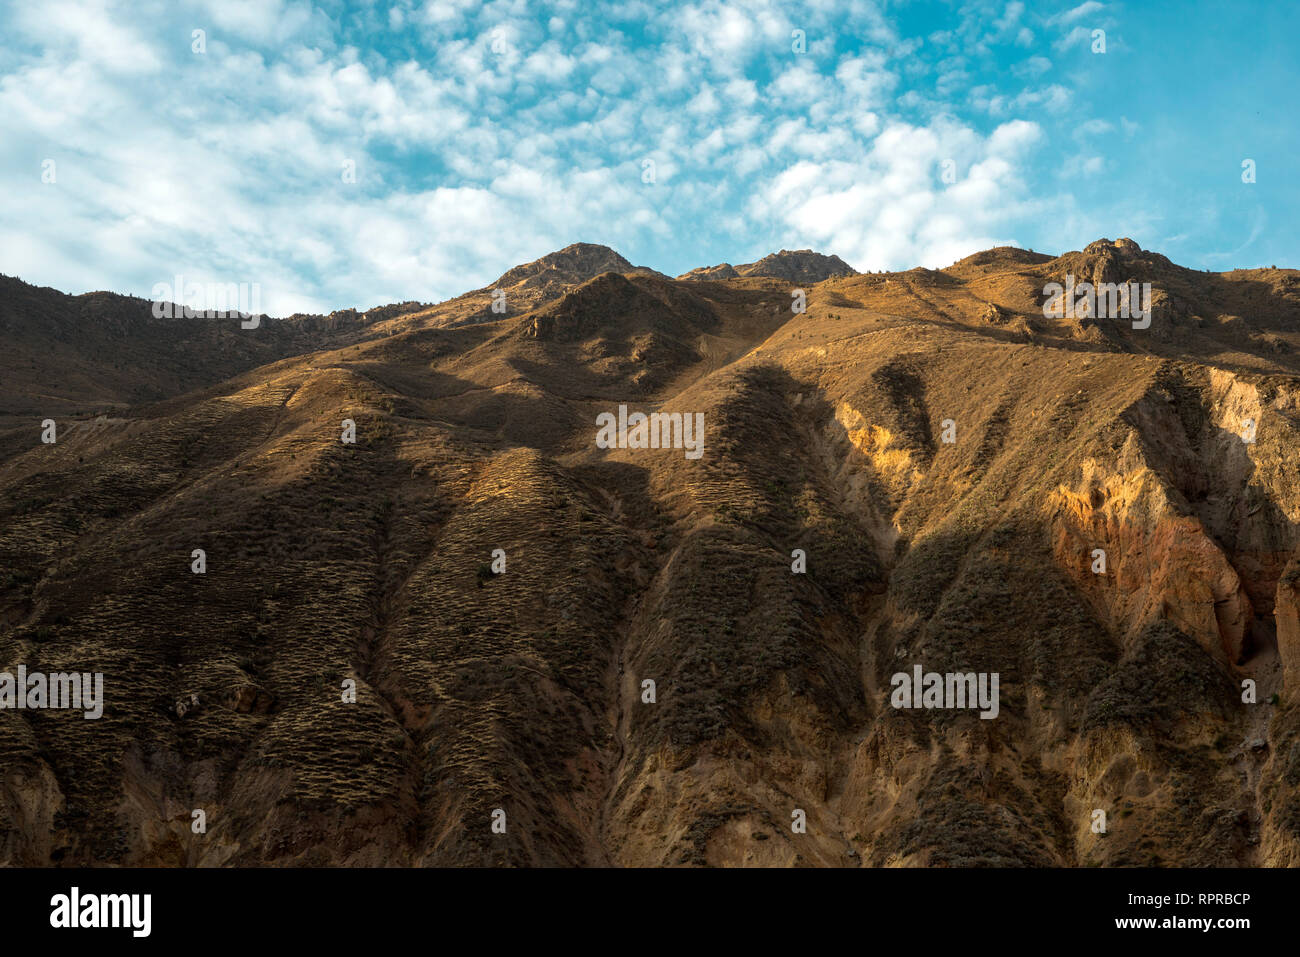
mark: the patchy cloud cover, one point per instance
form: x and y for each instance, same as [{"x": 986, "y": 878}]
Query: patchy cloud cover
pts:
[{"x": 486, "y": 134}]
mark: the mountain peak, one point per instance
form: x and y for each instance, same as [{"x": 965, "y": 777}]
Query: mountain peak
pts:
[
  {"x": 1004, "y": 256},
  {"x": 797, "y": 265},
  {"x": 574, "y": 263},
  {"x": 1122, "y": 245}
]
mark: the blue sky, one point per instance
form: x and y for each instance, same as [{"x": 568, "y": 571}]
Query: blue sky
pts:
[{"x": 487, "y": 134}]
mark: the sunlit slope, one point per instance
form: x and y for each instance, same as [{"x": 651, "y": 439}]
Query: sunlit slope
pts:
[{"x": 643, "y": 657}]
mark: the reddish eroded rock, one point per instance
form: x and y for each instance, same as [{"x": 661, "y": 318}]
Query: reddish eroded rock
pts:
[
  {"x": 1159, "y": 564},
  {"x": 1287, "y": 615}
]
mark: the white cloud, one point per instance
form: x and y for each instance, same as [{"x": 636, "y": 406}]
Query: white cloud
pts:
[
  {"x": 890, "y": 209},
  {"x": 1074, "y": 14},
  {"x": 1033, "y": 67},
  {"x": 1077, "y": 166},
  {"x": 88, "y": 32},
  {"x": 469, "y": 160}
]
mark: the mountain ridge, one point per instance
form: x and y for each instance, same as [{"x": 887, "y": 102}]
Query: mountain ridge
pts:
[{"x": 369, "y": 565}]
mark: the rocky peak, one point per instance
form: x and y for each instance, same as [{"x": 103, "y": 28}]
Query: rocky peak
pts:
[
  {"x": 1122, "y": 260},
  {"x": 572, "y": 264},
  {"x": 798, "y": 265},
  {"x": 1123, "y": 246},
  {"x": 720, "y": 271}
]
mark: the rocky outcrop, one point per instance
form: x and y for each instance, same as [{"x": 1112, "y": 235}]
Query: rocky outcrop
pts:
[
  {"x": 1139, "y": 560},
  {"x": 721, "y": 271},
  {"x": 1287, "y": 612},
  {"x": 798, "y": 266},
  {"x": 568, "y": 266}
]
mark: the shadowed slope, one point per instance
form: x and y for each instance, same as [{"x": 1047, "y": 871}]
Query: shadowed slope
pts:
[{"x": 946, "y": 459}]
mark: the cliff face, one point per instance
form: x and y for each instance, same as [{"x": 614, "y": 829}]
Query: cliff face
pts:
[
  {"x": 645, "y": 658},
  {"x": 1200, "y": 519}
]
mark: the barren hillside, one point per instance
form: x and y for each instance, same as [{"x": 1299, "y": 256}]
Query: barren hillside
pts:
[{"x": 947, "y": 457}]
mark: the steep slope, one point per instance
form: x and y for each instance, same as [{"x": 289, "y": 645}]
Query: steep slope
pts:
[{"x": 642, "y": 657}]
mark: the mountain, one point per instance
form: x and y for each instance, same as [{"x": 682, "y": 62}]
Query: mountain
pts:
[
  {"x": 572, "y": 264},
  {"x": 76, "y": 354},
  {"x": 799, "y": 266},
  {"x": 644, "y": 656}
]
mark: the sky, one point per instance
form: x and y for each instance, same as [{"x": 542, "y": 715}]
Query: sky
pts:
[{"x": 350, "y": 154}]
